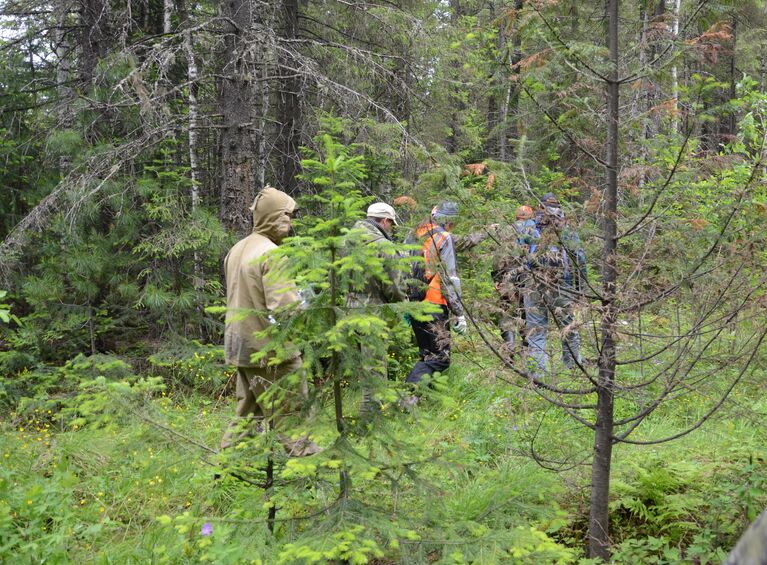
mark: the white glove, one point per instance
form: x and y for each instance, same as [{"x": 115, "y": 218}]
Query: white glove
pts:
[
  {"x": 459, "y": 326},
  {"x": 305, "y": 296}
]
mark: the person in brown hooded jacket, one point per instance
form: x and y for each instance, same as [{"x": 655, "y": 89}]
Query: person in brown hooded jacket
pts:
[{"x": 256, "y": 289}]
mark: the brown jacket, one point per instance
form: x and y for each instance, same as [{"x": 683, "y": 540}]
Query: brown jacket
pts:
[{"x": 256, "y": 285}]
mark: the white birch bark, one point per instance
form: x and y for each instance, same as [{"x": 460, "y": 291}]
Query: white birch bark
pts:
[
  {"x": 167, "y": 11},
  {"x": 674, "y": 68},
  {"x": 193, "y": 116},
  {"x": 192, "y": 77}
]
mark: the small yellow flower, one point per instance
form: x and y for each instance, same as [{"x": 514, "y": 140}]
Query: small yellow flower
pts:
[{"x": 82, "y": 501}]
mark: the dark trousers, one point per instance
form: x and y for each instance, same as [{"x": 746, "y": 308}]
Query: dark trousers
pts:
[{"x": 433, "y": 339}]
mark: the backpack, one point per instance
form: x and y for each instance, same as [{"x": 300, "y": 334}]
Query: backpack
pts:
[
  {"x": 417, "y": 282},
  {"x": 556, "y": 251},
  {"x": 420, "y": 277},
  {"x": 514, "y": 242},
  {"x": 547, "y": 248}
]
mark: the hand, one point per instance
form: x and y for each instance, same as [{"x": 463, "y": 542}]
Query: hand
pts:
[{"x": 459, "y": 326}]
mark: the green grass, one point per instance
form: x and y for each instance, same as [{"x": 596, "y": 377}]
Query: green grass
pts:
[{"x": 453, "y": 482}]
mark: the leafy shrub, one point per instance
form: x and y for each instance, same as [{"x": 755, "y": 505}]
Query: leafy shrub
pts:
[
  {"x": 192, "y": 365},
  {"x": 51, "y": 385}
]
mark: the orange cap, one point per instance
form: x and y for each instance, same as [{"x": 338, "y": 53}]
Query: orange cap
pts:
[{"x": 524, "y": 212}]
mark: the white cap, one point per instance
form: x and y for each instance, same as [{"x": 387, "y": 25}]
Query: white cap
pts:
[{"x": 382, "y": 210}]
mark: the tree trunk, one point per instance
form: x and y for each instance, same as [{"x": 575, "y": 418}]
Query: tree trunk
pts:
[
  {"x": 167, "y": 12},
  {"x": 503, "y": 118},
  {"x": 94, "y": 21},
  {"x": 456, "y": 103},
  {"x": 599, "y": 519},
  {"x": 674, "y": 69},
  {"x": 763, "y": 69},
  {"x": 732, "y": 123},
  {"x": 512, "y": 105},
  {"x": 493, "y": 131},
  {"x": 289, "y": 107},
  {"x": 641, "y": 98},
  {"x": 344, "y": 480},
  {"x": 403, "y": 108},
  {"x": 66, "y": 115},
  {"x": 263, "y": 96},
  {"x": 237, "y": 148}
]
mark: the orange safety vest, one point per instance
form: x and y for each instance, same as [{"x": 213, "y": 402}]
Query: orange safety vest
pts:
[{"x": 432, "y": 244}]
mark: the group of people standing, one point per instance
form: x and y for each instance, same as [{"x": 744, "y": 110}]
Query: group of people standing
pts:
[
  {"x": 539, "y": 268},
  {"x": 539, "y": 271}
]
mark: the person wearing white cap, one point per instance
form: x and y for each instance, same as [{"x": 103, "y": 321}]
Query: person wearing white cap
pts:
[
  {"x": 379, "y": 213},
  {"x": 376, "y": 290}
]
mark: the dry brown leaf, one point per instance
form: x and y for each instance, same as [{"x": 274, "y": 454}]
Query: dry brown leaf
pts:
[
  {"x": 407, "y": 201},
  {"x": 697, "y": 223},
  {"x": 475, "y": 169}
]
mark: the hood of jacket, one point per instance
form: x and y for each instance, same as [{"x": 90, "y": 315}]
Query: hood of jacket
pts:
[{"x": 270, "y": 209}]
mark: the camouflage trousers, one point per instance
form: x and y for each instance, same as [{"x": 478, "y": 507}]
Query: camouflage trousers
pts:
[
  {"x": 545, "y": 306},
  {"x": 511, "y": 320}
]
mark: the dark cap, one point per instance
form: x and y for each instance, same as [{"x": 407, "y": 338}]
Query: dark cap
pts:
[
  {"x": 549, "y": 199},
  {"x": 445, "y": 212}
]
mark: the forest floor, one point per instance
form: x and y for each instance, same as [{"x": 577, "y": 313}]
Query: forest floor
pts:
[{"x": 136, "y": 484}]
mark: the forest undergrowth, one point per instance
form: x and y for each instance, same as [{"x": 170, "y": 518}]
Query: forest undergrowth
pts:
[{"x": 116, "y": 467}]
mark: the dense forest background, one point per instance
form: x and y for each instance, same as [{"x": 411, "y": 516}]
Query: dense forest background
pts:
[{"x": 135, "y": 136}]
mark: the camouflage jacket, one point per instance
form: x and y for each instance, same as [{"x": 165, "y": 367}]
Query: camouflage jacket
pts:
[
  {"x": 510, "y": 258},
  {"x": 378, "y": 290},
  {"x": 557, "y": 257}
]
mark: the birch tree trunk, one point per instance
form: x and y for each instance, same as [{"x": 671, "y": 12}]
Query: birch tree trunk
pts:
[
  {"x": 674, "y": 68},
  {"x": 193, "y": 118},
  {"x": 167, "y": 12}
]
